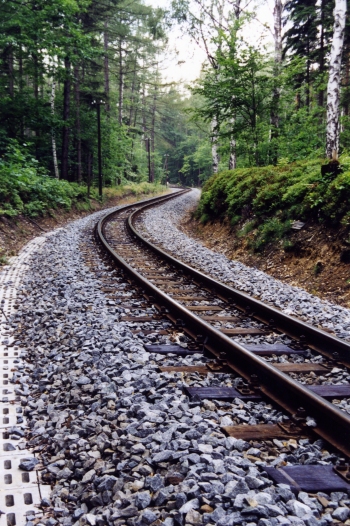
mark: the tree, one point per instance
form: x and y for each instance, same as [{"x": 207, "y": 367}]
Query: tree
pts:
[
  {"x": 333, "y": 88},
  {"x": 302, "y": 38},
  {"x": 62, "y": 55},
  {"x": 277, "y": 14},
  {"x": 242, "y": 91},
  {"x": 206, "y": 22}
]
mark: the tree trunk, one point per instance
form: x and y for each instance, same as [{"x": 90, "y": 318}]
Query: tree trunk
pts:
[
  {"x": 53, "y": 135},
  {"x": 237, "y": 9},
  {"x": 36, "y": 75},
  {"x": 277, "y": 15},
  {"x": 21, "y": 84},
  {"x": 333, "y": 88},
  {"x": 121, "y": 91},
  {"x": 154, "y": 107},
  {"x": 308, "y": 66},
  {"x": 214, "y": 146},
  {"x": 232, "y": 162},
  {"x": 322, "y": 53},
  {"x": 106, "y": 67},
  {"x": 20, "y": 68},
  {"x": 66, "y": 111},
  {"x": 77, "y": 121},
  {"x": 132, "y": 96},
  {"x": 89, "y": 171},
  {"x": 11, "y": 72}
]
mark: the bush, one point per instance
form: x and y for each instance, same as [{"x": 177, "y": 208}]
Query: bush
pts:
[
  {"x": 270, "y": 230},
  {"x": 135, "y": 189},
  {"x": 273, "y": 196},
  {"x": 26, "y": 189}
]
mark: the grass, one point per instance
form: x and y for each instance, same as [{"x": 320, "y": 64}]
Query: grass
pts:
[
  {"x": 133, "y": 189},
  {"x": 84, "y": 205}
]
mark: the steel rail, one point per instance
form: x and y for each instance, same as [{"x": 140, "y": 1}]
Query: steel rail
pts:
[
  {"x": 315, "y": 338},
  {"x": 332, "y": 424},
  {"x": 150, "y": 200}
]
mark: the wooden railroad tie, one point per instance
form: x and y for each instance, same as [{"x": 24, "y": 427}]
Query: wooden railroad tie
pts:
[
  {"x": 264, "y": 431},
  {"x": 242, "y": 331}
]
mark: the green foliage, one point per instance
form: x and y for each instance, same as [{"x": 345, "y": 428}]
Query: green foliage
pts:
[
  {"x": 247, "y": 227},
  {"x": 288, "y": 246},
  {"x": 271, "y": 230},
  {"x": 271, "y": 197},
  {"x": 204, "y": 218},
  {"x": 185, "y": 144},
  {"x": 240, "y": 96},
  {"x": 25, "y": 189},
  {"x": 134, "y": 189}
]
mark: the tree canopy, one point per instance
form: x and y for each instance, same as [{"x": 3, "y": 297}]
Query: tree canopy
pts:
[{"x": 60, "y": 59}]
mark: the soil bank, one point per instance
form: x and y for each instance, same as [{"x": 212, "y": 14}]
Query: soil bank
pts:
[{"x": 317, "y": 261}]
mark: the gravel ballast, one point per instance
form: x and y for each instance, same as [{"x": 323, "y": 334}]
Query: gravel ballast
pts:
[
  {"x": 160, "y": 224},
  {"x": 119, "y": 441}
]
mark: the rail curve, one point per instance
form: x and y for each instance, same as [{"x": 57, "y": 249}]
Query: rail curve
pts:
[{"x": 332, "y": 424}]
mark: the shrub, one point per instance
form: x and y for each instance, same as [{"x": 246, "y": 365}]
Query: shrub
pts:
[
  {"x": 26, "y": 189},
  {"x": 273, "y": 196},
  {"x": 270, "y": 230}
]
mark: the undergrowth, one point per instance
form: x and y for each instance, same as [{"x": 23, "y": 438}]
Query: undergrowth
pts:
[
  {"x": 26, "y": 189},
  {"x": 263, "y": 202},
  {"x": 135, "y": 189}
]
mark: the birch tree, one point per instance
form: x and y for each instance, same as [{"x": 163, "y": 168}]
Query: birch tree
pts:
[
  {"x": 232, "y": 162},
  {"x": 333, "y": 88},
  {"x": 214, "y": 123},
  {"x": 214, "y": 145},
  {"x": 53, "y": 134}
]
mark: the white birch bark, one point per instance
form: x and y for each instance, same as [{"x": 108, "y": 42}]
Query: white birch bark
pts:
[
  {"x": 277, "y": 16},
  {"x": 232, "y": 162},
  {"x": 53, "y": 136},
  {"x": 214, "y": 146},
  {"x": 333, "y": 88}
]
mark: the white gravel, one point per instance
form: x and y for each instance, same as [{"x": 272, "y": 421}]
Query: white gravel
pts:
[
  {"x": 160, "y": 225},
  {"x": 110, "y": 429}
]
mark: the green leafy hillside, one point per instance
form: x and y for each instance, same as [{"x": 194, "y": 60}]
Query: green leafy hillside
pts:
[
  {"x": 26, "y": 188},
  {"x": 267, "y": 199}
]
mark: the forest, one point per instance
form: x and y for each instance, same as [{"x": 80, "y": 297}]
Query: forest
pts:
[{"x": 74, "y": 71}]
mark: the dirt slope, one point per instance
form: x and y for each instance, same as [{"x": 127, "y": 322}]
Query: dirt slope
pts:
[
  {"x": 319, "y": 260},
  {"x": 16, "y": 232}
]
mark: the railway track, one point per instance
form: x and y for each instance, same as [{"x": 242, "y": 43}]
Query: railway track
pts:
[{"x": 211, "y": 315}]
